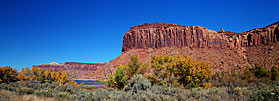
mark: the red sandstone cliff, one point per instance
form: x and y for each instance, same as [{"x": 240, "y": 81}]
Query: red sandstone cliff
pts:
[
  {"x": 223, "y": 50},
  {"x": 157, "y": 35}
]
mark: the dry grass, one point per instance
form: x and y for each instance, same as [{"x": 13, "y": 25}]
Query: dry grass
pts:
[{"x": 12, "y": 96}]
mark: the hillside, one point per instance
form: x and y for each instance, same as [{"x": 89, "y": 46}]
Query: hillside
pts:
[{"x": 223, "y": 50}]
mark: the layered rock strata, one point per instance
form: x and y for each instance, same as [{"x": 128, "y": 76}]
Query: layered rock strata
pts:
[
  {"x": 77, "y": 70},
  {"x": 157, "y": 35}
]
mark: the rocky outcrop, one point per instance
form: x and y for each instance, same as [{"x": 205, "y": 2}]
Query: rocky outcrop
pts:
[
  {"x": 77, "y": 70},
  {"x": 158, "y": 35}
]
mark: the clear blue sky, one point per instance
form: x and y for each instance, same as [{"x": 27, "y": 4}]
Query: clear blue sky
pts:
[{"x": 34, "y": 32}]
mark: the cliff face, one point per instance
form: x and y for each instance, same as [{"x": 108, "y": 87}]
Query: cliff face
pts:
[
  {"x": 223, "y": 50},
  {"x": 77, "y": 70},
  {"x": 157, "y": 35}
]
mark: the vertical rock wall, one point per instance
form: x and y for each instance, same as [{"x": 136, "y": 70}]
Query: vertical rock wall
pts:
[{"x": 157, "y": 35}]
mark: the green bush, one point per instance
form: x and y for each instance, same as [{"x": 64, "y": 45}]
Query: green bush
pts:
[
  {"x": 44, "y": 92},
  {"x": 260, "y": 72},
  {"x": 268, "y": 93},
  {"x": 137, "y": 83},
  {"x": 63, "y": 95},
  {"x": 24, "y": 90},
  {"x": 101, "y": 95},
  {"x": 274, "y": 73},
  {"x": 135, "y": 67},
  {"x": 119, "y": 79}
]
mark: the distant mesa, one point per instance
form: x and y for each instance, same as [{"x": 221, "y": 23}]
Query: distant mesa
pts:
[
  {"x": 75, "y": 69},
  {"x": 55, "y": 64}
]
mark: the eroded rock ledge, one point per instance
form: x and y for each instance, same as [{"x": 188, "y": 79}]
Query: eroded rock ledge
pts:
[{"x": 157, "y": 35}]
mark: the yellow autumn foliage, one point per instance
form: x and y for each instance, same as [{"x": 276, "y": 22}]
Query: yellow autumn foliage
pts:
[{"x": 186, "y": 70}]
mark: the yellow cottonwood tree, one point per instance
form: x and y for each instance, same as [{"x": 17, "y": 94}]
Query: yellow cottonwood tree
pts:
[
  {"x": 183, "y": 69},
  {"x": 7, "y": 74},
  {"x": 190, "y": 72},
  {"x": 20, "y": 75},
  {"x": 47, "y": 76},
  {"x": 58, "y": 77},
  {"x": 64, "y": 78},
  {"x": 53, "y": 76}
]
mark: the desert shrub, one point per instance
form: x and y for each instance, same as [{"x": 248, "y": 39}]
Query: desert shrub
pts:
[
  {"x": 111, "y": 81},
  {"x": 274, "y": 73},
  {"x": 268, "y": 92},
  {"x": 232, "y": 78},
  {"x": 249, "y": 75},
  {"x": 24, "y": 90},
  {"x": 9, "y": 87},
  {"x": 101, "y": 95},
  {"x": 67, "y": 88},
  {"x": 64, "y": 95},
  {"x": 44, "y": 92},
  {"x": 260, "y": 72},
  {"x": 38, "y": 93},
  {"x": 135, "y": 67},
  {"x": 82, "y": 96},
  {"x": 81, "y": 85},
  {"x": 150, "y": 96},
  {"x": 254, "y": 76},
  {"x": 120, "y": 95},
  {"x": 166, "y": 90},
  {"x": 137, "y": 83},
  {"x": 153, "y": 79},
  {"x": 207, "y": 85},
  {"x": 124, "y": 73},
  {"x": 119, "y": 79},
  {"x": 218, "y": 94}
]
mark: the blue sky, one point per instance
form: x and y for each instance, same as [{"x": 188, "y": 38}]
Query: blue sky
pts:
[{"x": 34, "y": 32}]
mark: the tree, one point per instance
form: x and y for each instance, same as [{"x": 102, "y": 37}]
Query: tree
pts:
[
  {"x": 163, "y": 68},
  {"x": 47, "y": 76},
  {"x": 58, "y": 77},
  {"x": 119, "y": 79},
  {"x": 53, "y": 76},
  {"x": 249, "y": 75},
  {"x": 81, "y": 85},
  {"x": 27, "y": 73},
  {"x": 20, "y": 75},
  {"x": 7, "y": 74},
  {"x": 260, "y": 72},
  {"x": 71, "y": 82},
  {"x": 135, "y": 67},
  {"x": 111, "y": 81},
  {"x": 274, "y": 73},
  {"x": 191, "y": 73},
  {"x": 64, "y": 78},
  {"x": 187, "y": 71},
  {"x": 76, "y": 84},
  {"x": 38, "y": 74}
]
